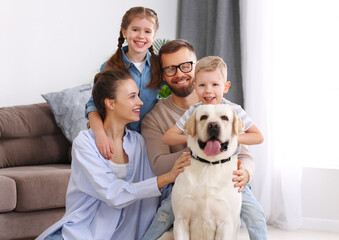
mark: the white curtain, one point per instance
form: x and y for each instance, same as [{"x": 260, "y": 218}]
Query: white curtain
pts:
[{"x": 277, "y": 179}]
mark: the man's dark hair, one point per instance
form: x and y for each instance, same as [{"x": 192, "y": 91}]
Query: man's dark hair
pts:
[{"x": 173, "y": 46}]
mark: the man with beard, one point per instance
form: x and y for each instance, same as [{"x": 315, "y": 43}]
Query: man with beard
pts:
[
  {"x": 167, "y": 111},
  {"x": 177, "y": 60}
]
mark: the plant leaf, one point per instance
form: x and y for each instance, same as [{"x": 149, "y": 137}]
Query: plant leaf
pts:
[
  {"x": 165, "y": 92},
  {"x": 157, "y": 44}
]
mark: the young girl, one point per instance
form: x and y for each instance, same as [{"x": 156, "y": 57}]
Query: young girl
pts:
[
  {"x": 114, "y": 199},
  {"x": 138, "y": 27}
]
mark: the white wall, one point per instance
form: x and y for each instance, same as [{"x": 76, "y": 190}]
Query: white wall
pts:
[
  {"x": 320, "y": 198},
  {"x": 50, "y": 45}
]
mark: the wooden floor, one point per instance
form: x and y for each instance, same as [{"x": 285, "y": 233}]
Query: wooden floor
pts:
[{"x": 278, "y": 234}]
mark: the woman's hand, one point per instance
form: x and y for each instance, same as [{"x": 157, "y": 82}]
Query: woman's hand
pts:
[
  {"x": 242, "y": 179},
  {"x": 178, "y": 167}
]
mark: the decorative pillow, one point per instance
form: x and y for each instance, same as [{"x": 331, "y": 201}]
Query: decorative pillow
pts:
[{"x": 68, "y": 108}]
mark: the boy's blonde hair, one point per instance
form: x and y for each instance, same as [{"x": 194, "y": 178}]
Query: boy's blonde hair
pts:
[{"x": 211, "y": 63}]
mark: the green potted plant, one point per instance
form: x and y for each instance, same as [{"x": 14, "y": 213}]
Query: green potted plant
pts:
[{"x": 165, "y": 91}]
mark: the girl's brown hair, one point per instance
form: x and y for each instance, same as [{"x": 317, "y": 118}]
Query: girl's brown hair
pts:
[
  {"x": 116, "y": 60},
  {"x": 106, "y": 84}
]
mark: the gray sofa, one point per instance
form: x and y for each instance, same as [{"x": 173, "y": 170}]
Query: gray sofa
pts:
[{"x": 34, "y": 171}]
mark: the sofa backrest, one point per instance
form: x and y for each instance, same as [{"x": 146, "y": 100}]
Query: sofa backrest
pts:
[{"x": 29, "y": 136}]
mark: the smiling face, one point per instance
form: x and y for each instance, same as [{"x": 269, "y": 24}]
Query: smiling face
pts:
[
  {"x": 127, "y": 104},
  {"x": 210, "y": 86},
  {"x": 139, "y": 34},
  {"x": 181, "y": 84}
]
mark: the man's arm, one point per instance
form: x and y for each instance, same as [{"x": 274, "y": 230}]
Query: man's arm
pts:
[
  {"x": 244, "y": 171},
  {"x": 160, "y": 155},
  {"x": 247, "y": 162}
]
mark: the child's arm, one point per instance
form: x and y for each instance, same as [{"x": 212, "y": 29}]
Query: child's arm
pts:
[
  {"x": 251, "y": 136},
  {"x": 174, "y": 136},
  {"x": 103, "y": 143}
]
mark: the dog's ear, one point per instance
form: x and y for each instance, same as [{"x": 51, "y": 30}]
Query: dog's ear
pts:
[
  {"x": 190, "y": 125},
  {"x": 238, "y": 124}
]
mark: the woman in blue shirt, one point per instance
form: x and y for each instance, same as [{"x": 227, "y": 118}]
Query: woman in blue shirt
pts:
[
  {"x": 114, "y": 199},
  {"x": 138, "y": 28}
]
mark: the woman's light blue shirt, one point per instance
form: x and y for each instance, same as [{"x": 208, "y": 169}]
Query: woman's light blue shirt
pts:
[
  {"x": 148, "y": 95},
  {"x": 101, "y": 206}
]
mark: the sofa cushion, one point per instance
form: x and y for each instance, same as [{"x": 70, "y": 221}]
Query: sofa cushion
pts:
[
  {"x": 27, "y": 121},
  {"x": 68, "y": 107},
  {"x": 39, "y": 187},
  {"x": 7, "y": 194},
  {"x": 27, "y": 225},
  {"x": 29, "y": 136},
  {"x": 33, "y": 151}
]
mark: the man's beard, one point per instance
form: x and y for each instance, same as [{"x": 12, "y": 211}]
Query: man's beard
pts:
[{"x": 182, "y": 91}]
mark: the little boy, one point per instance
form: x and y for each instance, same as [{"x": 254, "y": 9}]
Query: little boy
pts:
[{"x": 210, "y": 84}]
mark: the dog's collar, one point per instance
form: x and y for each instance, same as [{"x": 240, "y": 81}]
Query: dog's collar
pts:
[
  {"x": 205, "y": 161},
  {"x": 215, "y": 162}
]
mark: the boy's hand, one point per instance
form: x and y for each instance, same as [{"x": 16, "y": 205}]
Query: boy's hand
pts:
[
  {"x": 242, "y": 179},
  {"x": 105, "y": 146}
]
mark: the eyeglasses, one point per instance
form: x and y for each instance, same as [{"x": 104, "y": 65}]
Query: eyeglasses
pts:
[{"x": 185, "y": 67}]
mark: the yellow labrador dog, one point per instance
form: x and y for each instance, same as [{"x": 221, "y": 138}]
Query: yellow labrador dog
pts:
[{"x": 205, "y": 203}]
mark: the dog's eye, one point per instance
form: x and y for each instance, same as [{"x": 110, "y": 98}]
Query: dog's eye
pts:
[
  {"x": 203, "y": 117},
  {"x": 224, "y": 118}
]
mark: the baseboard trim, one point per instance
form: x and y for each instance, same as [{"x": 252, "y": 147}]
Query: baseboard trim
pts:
[{"x": 319, "y": 224}]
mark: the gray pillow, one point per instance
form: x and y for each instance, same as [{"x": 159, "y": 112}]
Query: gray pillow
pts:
[{"x": 68, "y": 108}]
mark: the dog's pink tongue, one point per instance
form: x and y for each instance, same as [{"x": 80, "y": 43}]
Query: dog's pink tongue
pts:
[{"x": 212, "y": 147}]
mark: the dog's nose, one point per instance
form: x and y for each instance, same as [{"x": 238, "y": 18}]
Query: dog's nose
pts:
[
  {"x": 213, "y": 129},
  {"x": 213, "y": 125}
]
